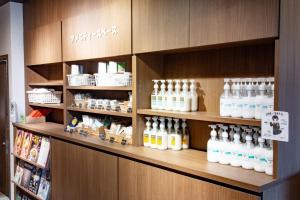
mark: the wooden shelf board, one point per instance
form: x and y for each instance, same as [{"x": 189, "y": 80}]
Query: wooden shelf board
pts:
[
  {"x": 54, "y": 106},
  {"x": 49, "y": 83},
  {"x": 27, "y": 191},
  {"x": 201, "y": 116},
  {"x": 190, "y": 161},
  {"x": 28, "y": 161},
  {"x": 122, "y": 88},
  {"x": 98, "y": 111}
]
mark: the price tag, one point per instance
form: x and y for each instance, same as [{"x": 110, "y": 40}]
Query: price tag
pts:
[
  {"x": 111, "y": 139},
  {"x": 275, "y": 126}
]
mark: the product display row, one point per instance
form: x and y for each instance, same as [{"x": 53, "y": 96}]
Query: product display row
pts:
[
  {"x": 22, "y": 196},
  {"x": 32, "y": 179},
  {"x": 183, "y": 98},
  {"x": 44, "y": 96},
  {"x": 156, "y": 135},
  {"x": 247, "y": 97},
  {"x": 240, "y": 147}
]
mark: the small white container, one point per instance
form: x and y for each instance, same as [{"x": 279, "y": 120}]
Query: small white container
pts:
[{"x": 102, "y": 67}]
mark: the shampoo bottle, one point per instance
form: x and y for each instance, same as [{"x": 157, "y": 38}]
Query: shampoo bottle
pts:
[
  {"x": 176, "y": 140},
  {"x": 248, "y": 155},
  {"x": 225, "y": 148},
  {"x": 185, "y": 99},
  {"x": 260, "y": 156},
  {"x": 249, "y": 102},
  {"x": 237, "y": 155},
  {"x": 154, "y": 133},
  {"x": 260, "y": 101},
  {"x": 225, "y": 100},
  {"x": 147, "y": 132},
  {"x": 194, "y": 96},
  {"x": 237, "y": 103},
  {"x": 154, "y": 95},
  {"x": 169, "y": 95},
  {"x": 269, "y": 158},
  {"x": 185, "y": 135},
  {"x": 213, "y": 152},
  {"x": 162, "y": 96},
  {"x": 162, "y": 135}
]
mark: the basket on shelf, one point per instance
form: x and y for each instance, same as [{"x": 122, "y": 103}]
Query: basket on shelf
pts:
[
  {"x": 117, "y": 137},
  {"x": 44, "y": 96},
  {"x": 81, "y": 80},
  {"x": 116, "y": 79}
]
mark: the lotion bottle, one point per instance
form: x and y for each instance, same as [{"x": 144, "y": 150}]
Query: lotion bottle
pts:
[
  {"x": 225, "y": 148},
  {"x": 169, "y": 95},
  {"x": 236, "y": 158},
  {"x": 170, "y": 132},
  {"x": 176, "y": 96},
  {"x": 249, "y": 102},
  {"x": 260, "y": 156},
  {"x": 248, "y": 157},
  {"x": 185, "y": 99},
  {"x": 154, "y": 95},
  {"x": 154, "y": 133},
  {"x": 161, "y": 96},
  {"x": 194, "y": 96},
  {"x": 185, "y": 135},
  {"x": 225, "y": 100},
  {"x": 176, "y": 140},
  {"x": 237, "y": 103},
  {"x": 260, "y": 101},
  {"x": 147, "y": 132},
  {"x": 162, "y": 135},
  {"x": 213, "y": 152}
]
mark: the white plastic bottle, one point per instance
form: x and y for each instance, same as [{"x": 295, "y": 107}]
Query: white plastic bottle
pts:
[
  {"x": 162, "y": 135},
  {"x": 270, "y": 97},
  {"x": 194, "y": 96},
  {"x": 237, "y": 103},
  {"x": 220, "y": 131},
  {"x": 185, "y": 99},
  {"x": 147, "y": 132},
  {"x": 225, "y": 100},
  {"x": 244, "y": 133},
  {"x": 176, "y": 96},
  {"x": 154, "y": 95},
  {"x": 154, "y": 133},
  {"x": 260, "y": 156},
  {"x": 249, "y": 102},
  {"x": 260, "y": 101},
  {"x": 255, "y": 136},
  {"x": 170, "y": 132},
  {"x": 213, "y": 152},
  {"x": 248, "y": 155},
  {"x": 225, "y": 149},
  {"x": 231, "y": 132},
  {"x": 161, "y": 96},
  {"x": 169, "y": 95},
  {"x": 176, "y": 140},
  {"x": 269, "y": 158},
  {"x": 185, "y": 135},
  {"x": 236, "y": 149}
]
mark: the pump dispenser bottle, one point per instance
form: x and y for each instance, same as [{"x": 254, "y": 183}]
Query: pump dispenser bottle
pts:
[
  {"x": 185, "y": 135},
  {"x": 231, "y": 132},
  {"x": 260, "y": 156},
  {"x": 194, "y": 96},
  {"x": 170, "y": 132},
  {"x": 154, "y": 133},
  {"x": 236, "y": 158},
  {"x": 269, "y": 158},
  {"x": 219, "y": 136},
  {"x": 147, "y": 132},
  {"x": 185, "y": 99},
  {"x": 237, "y": 103},
  {"x": 176, "y": 140},
  {"x": 213, "y": 152},
  {"x": 162, "y": 135},
  {"x": 176, "y": 96},
  {"x": 161, "y": 96},
  {"x": 260, "y": 101},
  {"x": 154, "y": 95},
  {"x": 249, "y": 102},
  {"x": 226, "y": 100},
  {"x": 248, "y": 160},
  {"x": 270, "y": 97},
  {"x": 169, "y": 95},
  {"x": 225, "y": 148}
]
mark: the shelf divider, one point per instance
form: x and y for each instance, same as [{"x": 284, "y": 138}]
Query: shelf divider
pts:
[{"x": 99, "y": 111}]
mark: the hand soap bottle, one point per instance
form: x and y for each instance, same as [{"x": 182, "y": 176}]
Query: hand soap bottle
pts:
[
  {"x": 162, "y": 96},
  {"x": 236, "y": 158},
  {"x": 177, "y": 96},
  {"x": 170, "y": 132},
  {"x": 147, "y": 132},
  {"x": 226, "y": 100},
  {"x": 169, "y": 95},
  {"x": 260, "y": 100},
  {"x": 237, "y": 104},
  {"x": 176, "y": 140},
  {"x": 194, "y": 96},
  {"x": 154, "y": 95},
  {"x": 213, "y": 152},
  {"x": 162, "y": 135},
  {"x": 154, "y": 133},
  {"x": 220, "y": 131},
  {"x": 225, "y": 148},
  {"x": 185, "y": 99},
  {"x": 185, "y": 135},
  {"x": 260, "y": 156},
  {"x": 269, "y": 158},
  {"x": 231, "y": 133},
  {"x": 248, "y": 160},
  {"x": 249, "y": 102}
]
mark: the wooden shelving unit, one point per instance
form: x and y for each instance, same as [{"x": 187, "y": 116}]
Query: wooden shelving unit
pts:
[
  {"x": 109, "y": 88},
  {"x": 101, "y": 112},
  {"x": 27, "y": 191},
  {"x": 53, "y": 106},
  {"x": 28, "y": 161},
  {"x": 49, "y": 83},
  {"x": 201, "y": 116}
]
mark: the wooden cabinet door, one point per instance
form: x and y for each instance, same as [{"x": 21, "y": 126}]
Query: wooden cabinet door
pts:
[
  {"x": 43, "y": 44},
  {"x": 139, "y": 181},
  {"x": 101, "y": 31},
  {"x": 82, "y": 173},
  {"x": 223, "y": 21},
  {"x": 160, "y": 25}
]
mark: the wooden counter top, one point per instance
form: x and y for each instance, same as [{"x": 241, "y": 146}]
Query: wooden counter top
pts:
[{"x": 190, "y": 161}]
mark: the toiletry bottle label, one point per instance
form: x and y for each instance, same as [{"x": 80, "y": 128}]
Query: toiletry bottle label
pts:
[
  {"x": 159, "y": 100},
  {"x": 153, "y": 139},
  {"x": 173, "y": 140},
  {"x": 181, "y": 102},
  {"x": 146, "y": 138},
  {"x": 153, "y": 100},
  {"x": 159, "y": 140}
]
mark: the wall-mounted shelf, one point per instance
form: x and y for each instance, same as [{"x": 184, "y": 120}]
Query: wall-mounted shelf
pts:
[
  {"x": 98, "y": 111},
  {"x": 53, "y": 106},
  {"x": 28, "y": 161},
  {"x": 122, "y": 88},
  {"x": 27, "y": 191},
  {"x": 49, "y": 83},
  {"x": 201, "y": 116}
]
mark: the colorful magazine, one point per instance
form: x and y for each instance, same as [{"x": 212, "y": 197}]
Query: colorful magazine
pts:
[
  {"x": 26, "y": 145},
  {"x": 26, "y": 175},
  {"x": 44, "y": 152},
  {"x": 44, "y": 187},
  {"x": 19, "y": 173},
  {"x": 35, "y": 180},
  {"x": 35, "y": 148},
  {"x": 18, "y": 142}
]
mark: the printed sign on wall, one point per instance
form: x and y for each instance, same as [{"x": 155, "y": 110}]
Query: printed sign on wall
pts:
[{"x": 275, "y": 126}]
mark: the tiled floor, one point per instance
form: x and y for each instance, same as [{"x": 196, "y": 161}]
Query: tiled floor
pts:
[{"x": 3, "y": 197}]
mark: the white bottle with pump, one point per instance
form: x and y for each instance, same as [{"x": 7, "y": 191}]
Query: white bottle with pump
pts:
[
  {"x": 269, "y": 158},
  {"x": 249, "y": 102},
  {"x": 176, "y": 140},
  {"x": 236, "y": 157},
  {"x": 162, "y": 135},
  {"x": 260, "y": 100},
  {"x": 185, "y": 99},
  {"x": 260, "y": 156},
  {"x": 213, "y": 152},
  {"x": 225, "y": 100},
  {"x": 219, "y": 135},
  {"x": 176, "y": 96},
  {"x": 237, "y": 103},
  {"x": 185, "y": 135},
  {"x": 154, "y": 95},
  {"x": 270, "y": 97},
  {"x": 169, "y": 95},
  {"x": 147, "y": 132},
  {"x": 225, "y": 148},
  {"x": 194, "y": 96},
  {"x": 170, "y": 132},
  {"x": 248, "y": 155},
  {"x": 231, "y": 133},
  {"x": 154, "y": 133},
  {"x": 162, "y": 96}
]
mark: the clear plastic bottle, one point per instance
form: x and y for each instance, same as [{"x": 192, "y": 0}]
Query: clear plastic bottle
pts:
[
  {"x": 194, "y": 96},
  {"x": 176, "y": 96},
  {"x": 154, "y": 95},
  {"x": 185, "y": 98},
  {"x": 169, "y": 95},
  {"x": 237, "y": 103},
  {"x": 236, "y": 149},
  {"x": 248, "y": 155},
  {"x": 260, "y": 156},
  {"x": 213, "y": 152},
  {"x": 269, "y": 158},
  {"x": 176, "y": 140},
  {"x": 185, "y": 135},
  {"x": 260, "y": 100},
  {"x": 225, "y": 149},
  {"x": 226, "y": 100},
  {"x": 162, "y": 135},
  {"x": 147, "y": 132},
  {"x": 162, "y": 96},
  {"x": 170, "y": 132},
  {"x": 154, "y": 133},
  {"x": 249, "y": 102}
]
